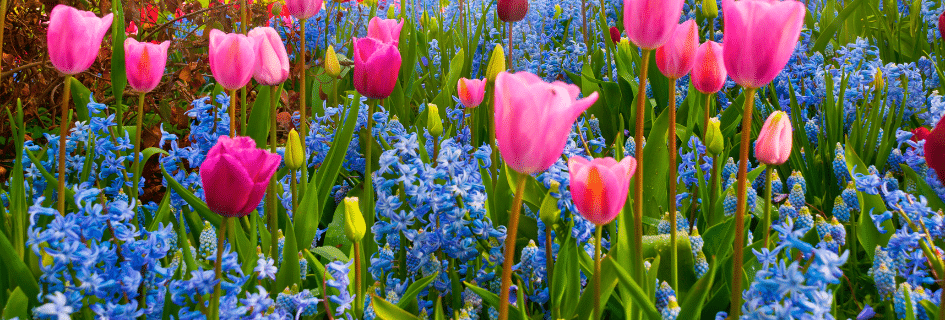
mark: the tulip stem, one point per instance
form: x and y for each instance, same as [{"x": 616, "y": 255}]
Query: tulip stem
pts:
[
  {"x": 597, "y": 275},
  {"x": 587, "y": 42},
  {"x": 510, "y": 65},
  {"x": 295, "y": 191},
  {"x": 217, "y": 270},
  {"x": 550, "y": 264},
  {"x": 705, "y": 118},
  {"x": 768, "y": 176},
  {"x": 359, "y": 293},
  {"x": 736, "y": 299},
  {"x": 713, "y": 186},
  {"x": 638, "y": 181},
  {"x": 137, "y": 163},
  {"x": 271, "y": 200},
  {"x": 671, "y": 136},
  {"x": 234, "y": 102},
  {"x": 303, "y": 95},
  {"x": 63, "y": 132},
  {"x": 510, "y": 235}
]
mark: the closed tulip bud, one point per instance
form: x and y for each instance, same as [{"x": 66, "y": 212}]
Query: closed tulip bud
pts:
[
  {"x": 710, "y": 9},
  {"x": 376, "y": 67},
  {"x": 392, "y": 11},
  {"x": 434, "y": 124},
  {"x": 941, "y": 24},
  {"x": 624, "y": 45},
  {"x": 272, "y": 62},
  {"x": 773, "y": 146},
  {"x": 354, "y": 220},
  {"x": 549, "y": 212},
  {"x": 708, "y": 71},
  {"x": 650, "y": 23},
  {"x": 74, "y": 38},
  {"x": 533, "y": 119},
  {"x": 512, "y": 10},
  {"x": 235, "y": 175},
  {"x": 294, "y": 151},
  {"x": 714, "y": 141},
  {"x": 558, "y": 12},
  {"x": 332, "y": 67},
  {"x": 232, "y": 59},
  {"x": 760, "y": 36},
  {"x": 144, "y": 64},
  {"x": 675, "y": 58},
  {"x": 614, "y": 35},
  {"x": 370, "y": 3},
  {"x": 496, "y": 63},
  {"x": 471, "y": 91},
  {"x": 385, "y": 30},
  {"x": 599, "y": 187},
  {"x": 879, "y": 81},
  {"x": 302, "y": 9}
]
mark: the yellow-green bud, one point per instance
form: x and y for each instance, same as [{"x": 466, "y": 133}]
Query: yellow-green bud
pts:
[
  {"x": 496, "y": 63},
  {"x": 391, "y": 12},
  {"x": 558, "y": 12},
  {"x": 434, "y": 124},
  {"x": 549, "y": 212},
  {"x": 332, "y": 67},
  {"x": 879, "y": 82},
  {"x": 624, "y": 45},
  {"x": 714, "y": 142},
  {"x": 294, "y": 154},
  {"x": 354, "y": 220},
  {"x": 276, "y": 8},
  {"x": 710, "y": 8}
]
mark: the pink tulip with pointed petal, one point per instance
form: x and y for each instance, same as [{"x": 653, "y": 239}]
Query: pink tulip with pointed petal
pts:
[
  {"x": 303, "y": 9},
  {"x": 272, "y": 62},
  {"x": 773, "y": 146},
  {"x": 708, "y": 72},
  {"x": 385, "y": 30},
  {"x": 376, "y": 67},
  {"x": 144, "y": 64},
  {"x": 676, "y": 57},
  {"x": 471, "y": 91},
  {"x": 760, "y": 36},
  {"x": 650, "y": 23},
  {"x": 74, "y": 38},
  {"x": 599, "y": 187},
  {"x": 232, "y": 59},
  {"x": 235, "y": 175}
]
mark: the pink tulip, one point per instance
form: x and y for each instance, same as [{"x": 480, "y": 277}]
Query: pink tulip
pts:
[
  {"x": 74, "y": 38},
  {"x": 512, "y": 10},
  {"x": 760, "y": 36},
  {"x": 650, "y": 23},
  {"x": 303, "y": 9},
  {"x": 272, "y": 62},
  {"x": 708, "y": 72},
  {"x": 144, "y": 64},
  {"x": 675, "y": 58},
  {"x": 471, "y": 92},
  {"x": 235, "y": 175},
  {"x": 385, "y": 30},
  {"x": 774, "y": 142},
  {"x": 232, "y": 59},
  {"x": 533, "y": 119},
  {"x": 599, "y": 186},
  {"x": 376, "y": 67}
]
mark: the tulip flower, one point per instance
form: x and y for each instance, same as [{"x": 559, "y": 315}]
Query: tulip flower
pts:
[
  {"x": 272, "y": 62},
  {"x": 760, "y": 36},
  {"x": 294, "y": 151},
  {"x": 708, "y": 72},
  {"x": 144, "y": 64},
  {"x": 385, "y": 30},
  {"x": 376, "y": 67},
  {"x": 775, "y": 139},
  {"x": 332, "y": 67},
  {"x": 303, "y": 9},
  {"x": 354, "y": 231},
  {"x": 599, "y": 187},
  {"x": 941, "y": 24},
  {"x": 920, "y": 133},
  {"x": 676, "y": 57},
  {"x": 235, "y": 174},
  {"x": 714, "y": 141},
  {"x": 614, "y": 35},
  {"x": 650, "y": 23},
  {"x": 232, "y": 59},
  {"x": 935, "y": 150},
  {"x": 471, "y": 91},
  {"x": 513, "y": 10},
  {"x": 74, "y": 38}
]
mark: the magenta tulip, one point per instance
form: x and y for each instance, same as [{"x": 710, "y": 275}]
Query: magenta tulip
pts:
[
  {"x": 471, "y": 91},
  {"x": 232, "y": 59},
  {"x": 708, "y": 72},
  {"x": 650, "y": 23},
  {"x": 376, "y": 67},
  {"x": 144, "y": 64},
  {"x": 235, "y": 175},
  {"x": 385, "y": 30},
  {"x": 935, "y": 150},
  {"x": 533, "y": 119},
  {"x": 599, "y": 187},
  {"x": 303, "y": 9},
  {"x": 74, "y": 38},
  {"x": 675, "y": 58},
  {"x": 773, "y": 146},
  {"x": 272, "y": 62},
  {"x": 512, "y": 10},
  {"x": 760, "y": 36}
]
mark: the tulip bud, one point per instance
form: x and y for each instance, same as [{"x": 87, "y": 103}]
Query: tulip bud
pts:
[
  {"x": 614, "y": 35},
  {"x": 775, "y": 139},
  {"x": 941, "y": 24},
  {"x": 549, "y": 212},
  {"x": 354, "y": 220},
  {"x": 558, "y": 12},
  {"x": 710, "y": 9},
  {"x": 713, "y": 138},
  {"x": 294, "y": 152},
  {"x": 496, "y": 63},
  {"x": 879, "y": 81},
  {"x": 276, "y": 8},
  {"x": 434, "y": 124},
  {"x": 392, "y": 11},
  {"x": 332, "y": 67},
  {"x": 624, "y": 45}
]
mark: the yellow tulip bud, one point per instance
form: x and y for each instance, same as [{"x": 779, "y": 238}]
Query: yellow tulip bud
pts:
[
  {"x": 549, "y": 212},
  {"x": 496, "y": 63},
  {"x": 434, "y": 124},
  {"x": 332, "y": 67},
  {"x": 354, "y": 220},
  {"x": 710, "y": 8},
  {"x": 294, "y": 151},
  {"x": 558, "y": 12},
  {"x": 713, "y": 138}
]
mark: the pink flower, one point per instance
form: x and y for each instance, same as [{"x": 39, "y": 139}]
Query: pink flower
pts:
[
  {"x": 708, "y": 72},
  {"x": 144, "y": 64},
  {"x": 303, "y": 9},
  {"x": 385, "y": 30},
  {"x": 533, "y": 119},
  {"x": 272, "y": 62},
  {"x": 74, "y": 38},
  {"x": 235, "y": 175},
  {"x": 376, "y": 67},
  {"x": 675, "y": 58},
  {"x": 774, "y": 142},
  {"x": 650, "y": 23},
  {"x": 232, "y": 59},
  {"x": 512, "y": 10},
  {"x": 471, "y": 92},
  {"x": 760, "y": 36},
  {"x": 599, "y": 186}
]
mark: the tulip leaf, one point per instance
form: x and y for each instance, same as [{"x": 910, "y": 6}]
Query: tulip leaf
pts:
[
  {"x": 388, "y": 311},
  {"x": 414, "y": 290},
  {"x": 867, "y": 232},
  {"x": 258, "y": 122},
  {"x": 328, "y": 172},
  {"x": 289, "y": 271},
  {"x": 826, "y": 34},
  {"x": 493, "y": 300},
  {"x": 637, "y": 294},
  {"x": 567, "y": 275},
  {"x": 656, "y": 164},
  {"x": 691, "y": 306},
  {"x": 162, "y": 214},
  {"x": 17, "y": 305},
  {"x": 199, "y": 205},
  {"x": 330, "y": 253},
  {"x": 17, "y": 269},
  {"x": 81, "y": 97},
  {"x": 118, "y": 77}
]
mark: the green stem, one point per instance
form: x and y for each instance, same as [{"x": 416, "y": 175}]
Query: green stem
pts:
[
  {"x": 293, "y": 186},
  {"x": 705, "y": 118},
  {"x": 63, "y": 132},
  {"x": 597, "y": 237},
  {"x": 550, "y": 265},
  {"x": 136, "y": 175},
  {"x": 217, "y": 270},
  {"x": 510, "y": 236},
  {"x": 638, "y": 181},
  {"x": 359, "y": 292},
  {"x": 303, "y": 106},
  {"x": 768, "y": 177},
  {"x": 271, "y": 210},
  {"x": 243, "y": 119},
  {"x": 510, "y": 65},
  {"x": 234, "y": 102},
  {"x": 713, "y": 190},
  {"x": 739, "y": 245},
  {"x": 671, "y": 136}
]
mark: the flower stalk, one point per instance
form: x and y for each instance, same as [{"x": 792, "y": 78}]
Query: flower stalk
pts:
[
  {"x": 638, "y": 182},
  {"x": 739, "y": 245},
  {"x": 63, "y": 131},
  {"x": 511, "y": 234}
]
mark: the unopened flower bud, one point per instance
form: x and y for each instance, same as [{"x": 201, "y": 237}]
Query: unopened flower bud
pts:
[
  {"x": 714, "y": 142},
  {"x": 434, "y": 124},
  {"x": 549, "y": 212},
  {"x": 354, "y": 220},
  {"x": 294, "y": 154},
  {"x": 332, "y": 67},
  {"x": 710, "y": 8},
  {"x": 496, "y": 63}
]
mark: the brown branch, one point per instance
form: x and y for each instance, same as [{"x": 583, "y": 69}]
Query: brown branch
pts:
[{"x": 21, "y": 68}]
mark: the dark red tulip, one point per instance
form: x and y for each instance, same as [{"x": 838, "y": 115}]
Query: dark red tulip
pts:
[
  {"x": 941, "y": 24},
  {"x": 614, "y": 35},
  {"x": 512, "y": 10},
  {"x": 935, "y": 149},
  {"x": 920, "y": 133}
]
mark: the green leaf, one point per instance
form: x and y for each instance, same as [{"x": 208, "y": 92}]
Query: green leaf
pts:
[
  {"x": 492, "y": 299},
  {"x": 867, "y": 233},
  {"x": 414, "y": 290},
  {"x": 388, "y": 311},
  {"x": 935, "y": 203},
  {"x": 289, "y": 272},
  {"x": 163, "y": 212},
  {"x": 567, "y": 276},
  {"x": 81, "y": 96},
  {"x": 691, "y": 307},
  {"x": 826, "y": 34},
  {"x": 330, "y": 253},
  {"x": 70, "y": 194},
  {"x": 656, "y": 164},
  {"x": 17, "y": 305},
  {"x": 18, "y": 269},
  {"x": 636, "y": 293},
  {"x": 328, "y": 172},
  {"x": 118, "y": 76},
  {"x": 192, "y": 200},
  {"x": 258, "y": 122}
]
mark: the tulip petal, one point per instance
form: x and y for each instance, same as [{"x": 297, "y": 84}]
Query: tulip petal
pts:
[{"x": 225, "y": 182}]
